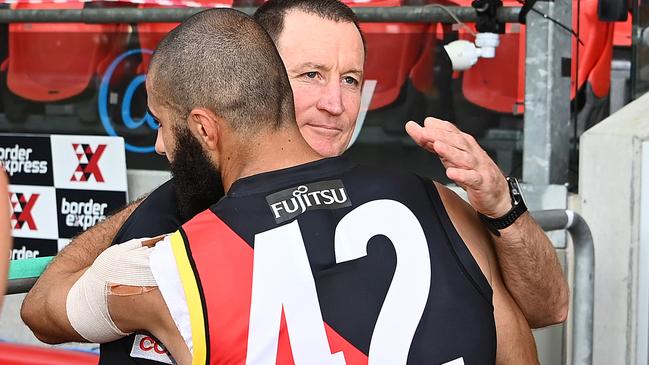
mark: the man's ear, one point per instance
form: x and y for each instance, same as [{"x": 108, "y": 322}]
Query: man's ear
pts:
[{"x": 206, "y": 126}]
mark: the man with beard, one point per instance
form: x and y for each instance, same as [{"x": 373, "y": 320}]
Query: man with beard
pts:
[
  {"x": 352, "y": 264},
  {"x": 326, "y": 111}
]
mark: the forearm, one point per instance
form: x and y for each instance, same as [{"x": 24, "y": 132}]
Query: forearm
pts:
[
  {"x": 84, "y": 249},
  {"x": 37, "y": 309},
  {"x": 532, "y": 273},
  {"x": 46, "y": 314}
]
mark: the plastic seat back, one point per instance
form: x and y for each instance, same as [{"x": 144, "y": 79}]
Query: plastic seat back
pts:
[{"x": 56, "y": 61}]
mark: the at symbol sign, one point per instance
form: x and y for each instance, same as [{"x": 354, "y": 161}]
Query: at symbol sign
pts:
[{"x": 127, "y": 118}]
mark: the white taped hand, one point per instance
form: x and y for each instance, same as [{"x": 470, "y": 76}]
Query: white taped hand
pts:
[{"x": 87, "y": 301}]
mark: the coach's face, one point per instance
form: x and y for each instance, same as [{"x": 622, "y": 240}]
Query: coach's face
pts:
[{"x": 324, "y": 60}]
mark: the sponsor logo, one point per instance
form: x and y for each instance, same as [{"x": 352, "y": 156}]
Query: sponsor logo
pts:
[
  {"x": 290, "y": 203},
  {"x": 23, "y": 253},
  {"x": 18, "y": 160},
  {"x": 88, "y": 162},
  {"x": 33, "y": 212},
  {"x": 28, "y": 248},
  {"x": 83, "y": 214},
  {"x": 78, "y": 210},
  {"x": 21, "y": 210},
  {"x": 146, "y": 347}
]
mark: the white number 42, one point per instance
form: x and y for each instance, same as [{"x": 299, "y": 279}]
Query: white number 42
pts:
[{"x": 282, "y": 279}]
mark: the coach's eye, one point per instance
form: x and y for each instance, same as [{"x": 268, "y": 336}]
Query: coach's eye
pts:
[
  {"x": 312, "y": 75},
  {"x": 350, "y": 81}
]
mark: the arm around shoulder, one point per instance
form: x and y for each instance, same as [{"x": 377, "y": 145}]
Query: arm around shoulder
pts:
[
  {"x": 527, "y": 261},
  {"x": 532, "y": 272},
  {"x": 515, "y": 342}
]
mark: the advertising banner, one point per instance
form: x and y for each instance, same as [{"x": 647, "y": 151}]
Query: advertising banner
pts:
[{"x": 59, "y": 186}]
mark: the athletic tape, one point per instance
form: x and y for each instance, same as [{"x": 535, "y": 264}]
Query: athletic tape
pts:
[{"x": 87, "y": 301}]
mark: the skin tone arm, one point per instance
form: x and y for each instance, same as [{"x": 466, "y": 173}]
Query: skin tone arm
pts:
[
  {"x": 529, "y": 265},
  {"x": 515, "y": 344},
  {"x": 39, "y": 310},
  {"x": 6, "y": 241},
  {"x": 149, "y": 312},
  {"x": 131, "y": 308}
]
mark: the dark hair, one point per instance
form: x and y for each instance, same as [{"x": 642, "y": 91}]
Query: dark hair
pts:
[
  {"x": 271, "y": 14},
  {"x": 222, "y": 60}
]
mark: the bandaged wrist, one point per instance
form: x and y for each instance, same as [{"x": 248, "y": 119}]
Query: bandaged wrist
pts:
[{"x": 87, "y": 300}]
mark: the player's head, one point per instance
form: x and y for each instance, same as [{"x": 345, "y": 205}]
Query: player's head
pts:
[
  {"x": 219, "y": 64},
  {"x": 215, "y": 83},
  {"x": 323, "y": 50}
]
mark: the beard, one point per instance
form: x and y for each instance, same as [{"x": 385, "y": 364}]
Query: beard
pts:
[{"x": 196, "y": 180}]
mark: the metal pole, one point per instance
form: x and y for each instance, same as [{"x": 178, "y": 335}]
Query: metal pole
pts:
[
  {"x": 408, "y": 14},
  {"x": 584, "y": 286},
  {"x": 17, "y": 286},
  {"x": 547, "y": 94}
]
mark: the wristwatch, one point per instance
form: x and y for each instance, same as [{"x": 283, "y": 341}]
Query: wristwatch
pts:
[{"x": 518, "y": 208}]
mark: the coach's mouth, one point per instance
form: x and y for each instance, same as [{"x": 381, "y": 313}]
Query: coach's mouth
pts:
[{"x": 326, "y": 130}]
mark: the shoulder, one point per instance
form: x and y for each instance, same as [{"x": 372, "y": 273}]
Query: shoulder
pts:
[
  {"x": 385, "y": 179},
  {"x": 157, "y": 214},
  {"x": 163, "y": 194},
  {"x": 471, "y": 230}
]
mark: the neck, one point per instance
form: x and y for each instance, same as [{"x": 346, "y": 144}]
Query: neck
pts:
[{"x": 263, "y": 153}]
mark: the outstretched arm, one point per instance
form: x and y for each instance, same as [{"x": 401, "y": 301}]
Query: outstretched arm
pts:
[
  {"x": 530, "y": 268},
  {"x": 515, "y": 342},
  {"x": 115, "y": 296},
  {"x": 39, "y": 310}
]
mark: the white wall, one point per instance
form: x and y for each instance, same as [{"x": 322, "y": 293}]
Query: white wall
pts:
[{"x": 610, "y": 191}]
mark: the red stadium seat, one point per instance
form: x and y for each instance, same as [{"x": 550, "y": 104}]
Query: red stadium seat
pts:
[
  {"x": 393, "y": 52},
  {"x": 15, "y": 354},
  {"x": 498, "y": 84},
  {"x": 595, "y": 51},
  {"x": 150, "y": 34},
  {"x": 55, "y": 61},
  {"x": 393, "y": 49},
  {"x": 623, "y": 36}
]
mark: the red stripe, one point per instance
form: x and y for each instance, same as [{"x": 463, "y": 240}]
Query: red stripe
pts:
[
  {"x": 225, "y": 264},
  {"x": 284, "y": 353},
  {"x": 337, "y": 343},
  {"x": 225, "y": 270}
]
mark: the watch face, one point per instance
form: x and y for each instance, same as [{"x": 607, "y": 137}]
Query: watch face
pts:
[{"x": 515, "y": 190}]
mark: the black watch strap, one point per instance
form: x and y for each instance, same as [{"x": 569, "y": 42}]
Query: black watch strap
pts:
[{"x": 518, "y": 208}]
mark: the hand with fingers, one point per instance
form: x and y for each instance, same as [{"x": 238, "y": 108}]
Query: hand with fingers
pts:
[
  {"x": 466, "y": 163},
  {"x": 530, "y": 268}
]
